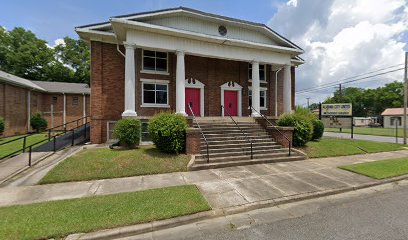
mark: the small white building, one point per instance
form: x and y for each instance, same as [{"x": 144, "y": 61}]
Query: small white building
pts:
[
  {"x": 362, "y": 121},
  {"x": 392, "y": 117}
]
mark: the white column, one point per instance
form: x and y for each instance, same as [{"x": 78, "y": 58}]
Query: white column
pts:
[
  {"x": 180, "y": 84},
  {"x": 130, "y": 81},
  {"x": 64, "y": 110},
  {"x": 255, "y": 90},
  {"x": 287, "y": 89},
  {"x": 28, "y": 109}
]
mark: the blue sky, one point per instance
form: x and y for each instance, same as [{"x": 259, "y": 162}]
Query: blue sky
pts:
[{"x": 51, "y": 19}]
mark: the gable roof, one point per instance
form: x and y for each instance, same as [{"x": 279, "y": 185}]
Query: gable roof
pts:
[
  {"x": 43, "y": 86},
  {"x": 107, "y": 30},
  {"x": 393, "y": 112}
]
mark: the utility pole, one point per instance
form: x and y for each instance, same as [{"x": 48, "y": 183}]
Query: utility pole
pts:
[
  {"x": 308, "y": 103},
  {"x": 341, "y": 92},
  {"x": 405, "y": 98}
]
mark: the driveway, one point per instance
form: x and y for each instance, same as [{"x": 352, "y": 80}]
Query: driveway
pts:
[{"x": 363, "y": 137}]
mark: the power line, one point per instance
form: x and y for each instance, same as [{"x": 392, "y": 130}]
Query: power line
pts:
[
  {"x": 344, "y": 79},
  {"x": 354, "y": 80}
]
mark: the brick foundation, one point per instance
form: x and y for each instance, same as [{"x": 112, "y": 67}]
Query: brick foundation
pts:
[
  {"x": 279, "y": 136},
  {"x": 193, "y": 141}
]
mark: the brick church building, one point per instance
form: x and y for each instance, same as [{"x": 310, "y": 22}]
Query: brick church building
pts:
[{"x": 164, "y": 60}]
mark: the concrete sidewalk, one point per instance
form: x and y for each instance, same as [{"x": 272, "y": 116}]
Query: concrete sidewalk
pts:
[{"x": 223, "y": 188}]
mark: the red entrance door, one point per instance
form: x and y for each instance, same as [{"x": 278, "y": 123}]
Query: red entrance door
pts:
[
  {"x": 231, "y": 102},
  {"x": 193, "y": 99}
]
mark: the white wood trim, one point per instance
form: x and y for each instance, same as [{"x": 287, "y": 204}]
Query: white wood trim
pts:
[
  {"x": 236, "y": 87},
  {"x": 200, "y": 86},
  {"x": 148, "y": 80},
  {"x": 151, "y": 105}
]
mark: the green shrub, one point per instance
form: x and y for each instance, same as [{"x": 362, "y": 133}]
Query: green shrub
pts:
[
  {"x": 168, "y": 132},
  {"x": 318, "y": 129},
  {"x": 1, "y": 125},
  {"x": 127, "y": 131},
  {"x": 305, "y": 112},
  {"x": 38, "y": 123},
  {"x": 303, "y": 131}
]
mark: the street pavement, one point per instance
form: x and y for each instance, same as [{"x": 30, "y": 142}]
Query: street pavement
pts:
[
  {"x": 379, "y": 213},
  {"x": 225, "y": 188},
  {"x": 363, "y": 137}
]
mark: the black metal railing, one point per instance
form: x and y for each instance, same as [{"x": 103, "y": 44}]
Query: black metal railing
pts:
[
  {"x": 26, "y": 147},
  {"x": 263, "y": 116},
  {"x": 236, "y": 124},
  {"x": 202, "y": 133}
]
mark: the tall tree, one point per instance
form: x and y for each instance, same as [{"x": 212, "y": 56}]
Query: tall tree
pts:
[
  {"x": 75, "y": 54},
  {"x": 25, "y": 55}
]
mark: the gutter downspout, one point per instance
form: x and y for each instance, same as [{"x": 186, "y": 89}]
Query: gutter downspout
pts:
[
  {"x": 84, "y": 108},
  {"x": 28, "y": 110},
  {"x": 64, "y": 116},
  {"x": 276, "y": 91},
  {"x": 117, "y": 48}
]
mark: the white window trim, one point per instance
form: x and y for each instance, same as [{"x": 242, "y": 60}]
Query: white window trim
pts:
[
  {"x": 236, "y": 87},
  {"x": 155, "y": 81},
  {"x": 266, "y": 96},
  {"x": 153, "y": 71},
  {"x": 200, "y": 86},
  {"x": 261, "y": 81}
]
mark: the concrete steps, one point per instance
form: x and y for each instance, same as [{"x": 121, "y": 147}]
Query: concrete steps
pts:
[{"x": 228, "y": 146}]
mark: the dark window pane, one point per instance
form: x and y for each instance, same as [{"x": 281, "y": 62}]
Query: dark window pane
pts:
[
  {"x": 250, "y": 100},
  {"x": 148, "y": 63},
  {"x": 161, "y": 97},
  {"x": 250, "y": 73},
  {"x": 148, "y": 96},
  {"x": 161, "y": 64},
  {"x": 161, "y": 87},
  {"x": 261, "y": 75},
  {"x": 261, "y": 67},
  {"x": 250, "y": 92},
  {"x": 161, "y": 55},
  {"x": 148, "y": 86},
  {"x": 262, "y": 93},
  {"x": 148, "y": 53},
  {"x": 262, "y": 102}
]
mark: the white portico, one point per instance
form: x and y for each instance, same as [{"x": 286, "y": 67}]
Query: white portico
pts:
[{"x": 184, "y": 32}]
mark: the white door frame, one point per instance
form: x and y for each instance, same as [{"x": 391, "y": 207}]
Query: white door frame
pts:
[
  {"x": 194, "y": 83},
  {"x": 232, "y": 86}
]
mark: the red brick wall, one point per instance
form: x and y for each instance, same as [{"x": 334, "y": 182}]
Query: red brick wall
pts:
[
  {"x": 13, "y": 108},
  {"x": 107, "y": 83}
]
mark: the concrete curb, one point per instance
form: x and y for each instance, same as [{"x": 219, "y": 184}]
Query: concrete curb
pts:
[{"x": 178, "y": 221}]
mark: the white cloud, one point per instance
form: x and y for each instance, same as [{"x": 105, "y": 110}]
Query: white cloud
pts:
[
  {"x": 343, "y": 38},
  {"x": 59, "y": 41}
]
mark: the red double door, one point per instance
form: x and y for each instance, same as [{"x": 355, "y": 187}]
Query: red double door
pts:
[
  {"x": 194, "y": 100},
  {"x": 231, "y": 102}
]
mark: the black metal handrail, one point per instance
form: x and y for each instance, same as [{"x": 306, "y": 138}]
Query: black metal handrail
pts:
[
  {"x": 263, "y": 116},
  {"x": 202, "y": 133},
  {"x": 243, "y": 133},
  {"x": 24, "y": 147}
]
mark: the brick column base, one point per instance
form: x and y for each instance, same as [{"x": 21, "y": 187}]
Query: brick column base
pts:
[
  {"x": 193, "y": 141},
  {"x": 279, "y": 138}
]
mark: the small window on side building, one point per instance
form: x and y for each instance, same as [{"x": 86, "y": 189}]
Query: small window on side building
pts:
[{"x": 75, "y": 100}]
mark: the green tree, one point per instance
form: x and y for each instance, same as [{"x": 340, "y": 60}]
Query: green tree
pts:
[
  {"x": 76, "y": 55},
  {"x": 25, "y": 55}
]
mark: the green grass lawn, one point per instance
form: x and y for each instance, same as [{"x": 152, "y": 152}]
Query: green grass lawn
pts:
[
  {"x": 18, "y": 144},
  {"x": 60, "y": 218},
  {"x": 107, "y": 163},
  {"x": 380, "y": 169},
  {"x": 390, "y": 132},
  {"x": 331, "y": 147}
]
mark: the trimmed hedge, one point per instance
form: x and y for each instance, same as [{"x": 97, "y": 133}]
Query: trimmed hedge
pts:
[
  {"x": 127, "y": 131},
  {"x": 2, "y": 125},
  {"x": 38, "y": 123},
  {"x": 303, "y": 127},
  {"x": 318, "y": 129},
  {"x": 168, "y": 132}
]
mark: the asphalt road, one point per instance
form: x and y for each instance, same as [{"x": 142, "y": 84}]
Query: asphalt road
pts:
[
  {"x": 373, "y": 138},
  {"x": 367, "y": 214}
]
